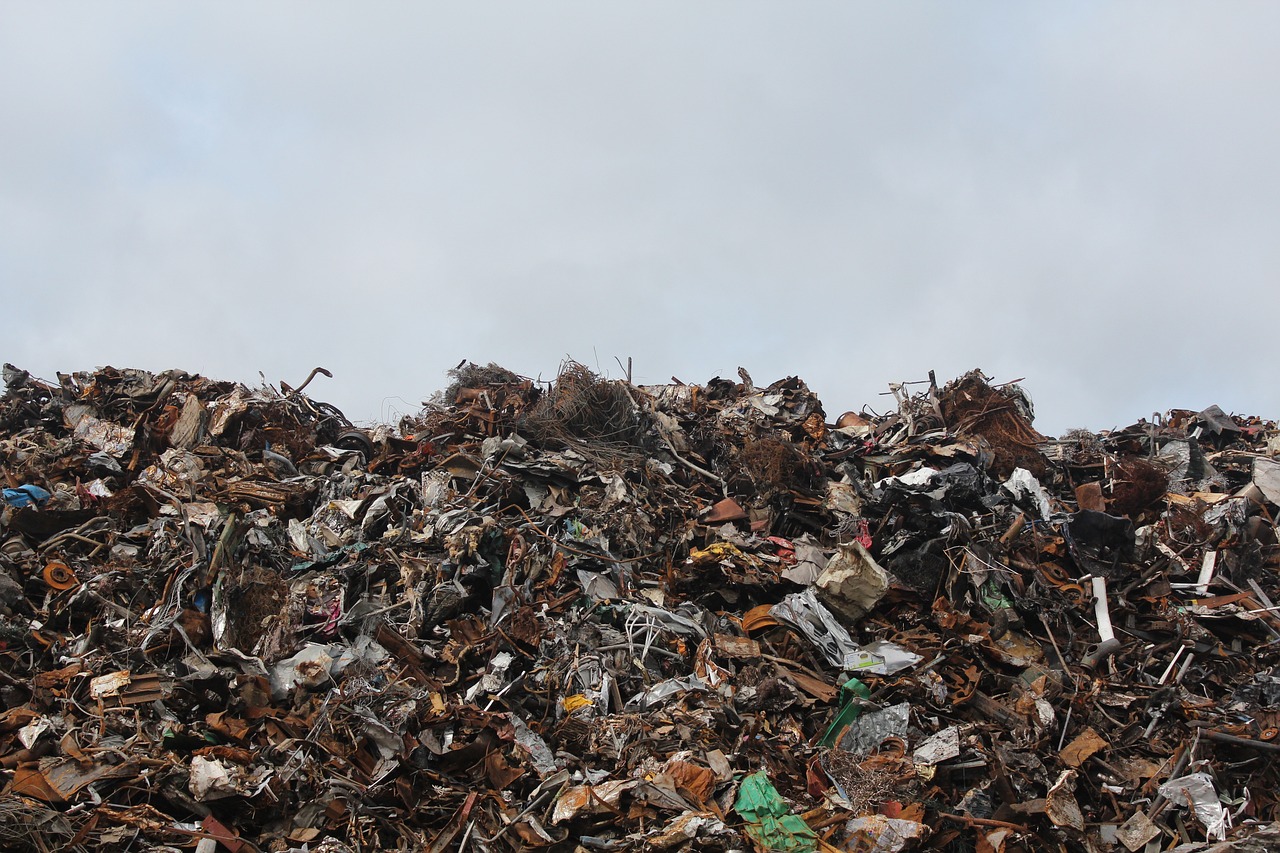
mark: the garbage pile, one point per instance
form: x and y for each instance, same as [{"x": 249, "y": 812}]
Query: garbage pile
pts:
[{"x": 588, "y": 615}]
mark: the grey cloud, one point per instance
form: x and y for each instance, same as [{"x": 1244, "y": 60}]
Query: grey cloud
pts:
[{"x": 854, "y": 193}]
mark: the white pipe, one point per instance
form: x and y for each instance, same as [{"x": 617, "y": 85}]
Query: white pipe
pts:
[{"x": 1100, "y": 609}]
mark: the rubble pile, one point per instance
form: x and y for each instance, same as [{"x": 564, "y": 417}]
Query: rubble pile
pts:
[{"x": 588, "y": 615}]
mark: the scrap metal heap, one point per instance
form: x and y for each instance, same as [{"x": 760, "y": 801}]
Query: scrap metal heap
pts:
[{"x": 587, "y": 615}]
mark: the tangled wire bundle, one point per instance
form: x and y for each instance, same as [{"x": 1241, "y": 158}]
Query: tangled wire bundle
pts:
[{"x": 582, "y": 406}]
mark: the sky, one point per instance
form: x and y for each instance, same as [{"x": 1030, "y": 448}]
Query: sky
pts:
[{"x": 1082, "y": 195}]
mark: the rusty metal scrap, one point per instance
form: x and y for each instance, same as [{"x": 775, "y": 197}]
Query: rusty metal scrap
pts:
[{"x": 586, "y": 615}]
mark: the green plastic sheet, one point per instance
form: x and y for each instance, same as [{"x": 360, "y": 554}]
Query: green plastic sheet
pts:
[
  {"x": 770, "y": 822},
  {"x": 851, "y": 692}
]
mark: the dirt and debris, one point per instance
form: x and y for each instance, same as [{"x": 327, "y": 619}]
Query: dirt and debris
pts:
[{"x": 587, "y": 615}]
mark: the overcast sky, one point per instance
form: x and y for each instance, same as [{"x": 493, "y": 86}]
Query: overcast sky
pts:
[{"x": 1082, "y": 194}]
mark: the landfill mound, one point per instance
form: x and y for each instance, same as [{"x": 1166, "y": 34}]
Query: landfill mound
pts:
[{"x": 588, "y": 615}]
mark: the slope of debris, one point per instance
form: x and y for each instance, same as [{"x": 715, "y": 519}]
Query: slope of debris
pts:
[{"x": 590, "y": 616}]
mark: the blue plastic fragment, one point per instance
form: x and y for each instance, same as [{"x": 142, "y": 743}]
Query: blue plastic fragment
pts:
[{"x": 26, "y": 495}]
